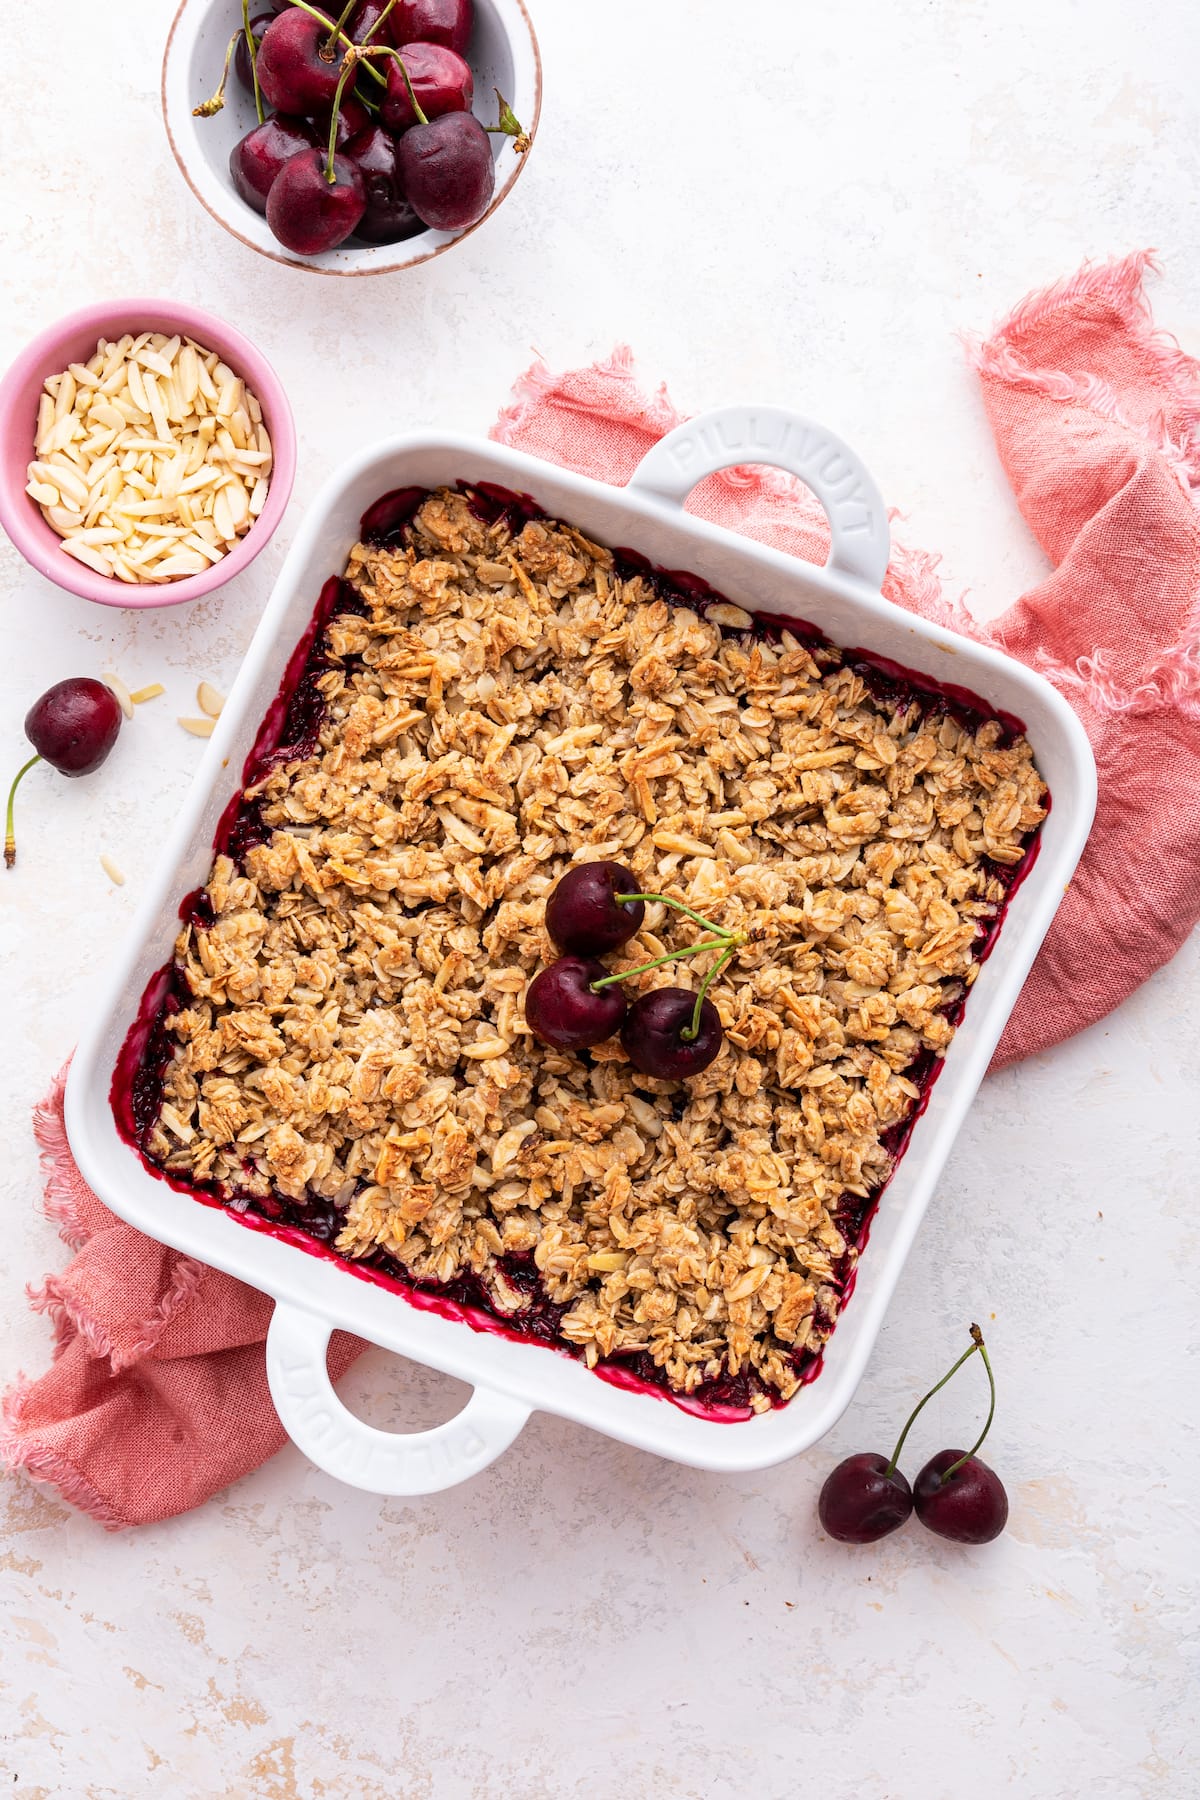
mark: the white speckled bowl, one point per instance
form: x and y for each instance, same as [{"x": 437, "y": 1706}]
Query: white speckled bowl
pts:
[{"x": 503, "y": 53}]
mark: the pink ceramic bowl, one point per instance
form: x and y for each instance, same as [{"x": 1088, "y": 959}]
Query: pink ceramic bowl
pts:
[{"x": 73, "y": 339}]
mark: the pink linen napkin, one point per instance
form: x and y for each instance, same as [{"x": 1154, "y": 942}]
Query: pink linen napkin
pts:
[{"x": 157, "y": 1397}]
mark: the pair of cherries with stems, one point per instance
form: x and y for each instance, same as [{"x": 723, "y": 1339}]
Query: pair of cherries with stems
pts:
[
  {"x": 955, "y": 1495},
  {"x": 576, "y": 1002}
]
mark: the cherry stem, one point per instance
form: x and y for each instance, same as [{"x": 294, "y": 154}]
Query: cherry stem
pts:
[
  {"x": 207, "y": 109},
  {"x": 386, "y": 50},
  {"x": 10, "y": 842},
  {"x": 252, "y": 51},
  {"x": 322, "y": 19},
  {"x": 339, "y": 31},
  {"x": 671, "y": 956},
  {"x": 976, "y": 1344},
  {"x": 721, "y": 930},
  {"x": 348, "y": 67},
  {"x": 691, "y": 1032},
  {"x": 982, "y": 1349}
]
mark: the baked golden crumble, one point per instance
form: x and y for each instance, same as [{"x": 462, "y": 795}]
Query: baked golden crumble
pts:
[{"x": 510, "y": 702}]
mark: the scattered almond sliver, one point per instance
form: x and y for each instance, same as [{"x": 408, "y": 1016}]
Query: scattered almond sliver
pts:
[
  {"x": 151, "y": 459},
  {"x": 199, "y": 727},
  {"x": 115, "y": 875},
  {"x": 151, "y": 692},
  {"x": 121, "y": 691},
  {"x": 208, "y": 700}
]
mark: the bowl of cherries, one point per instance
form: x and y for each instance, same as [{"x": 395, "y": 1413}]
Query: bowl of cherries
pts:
[{"x": 351, "y": 137}]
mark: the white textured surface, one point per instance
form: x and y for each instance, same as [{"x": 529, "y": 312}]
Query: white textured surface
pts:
[{"x": 775, "y": 202}]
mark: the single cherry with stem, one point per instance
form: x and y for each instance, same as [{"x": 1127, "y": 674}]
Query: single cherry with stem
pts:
[
  {"x": 568, "y": 1006},
  {"x": 72, "y": 727},
  {"x": 298, "y": 63},
  {"x": 673, "y": 1034},
  {"x": 445, "y": 164},
  {"x": 429, "y": 76},
  {"x": 957, "y": 1495},
  {"x": 318, "y": 197},
  {"x": 339, "y": 35},
  {"x": 595, "y": 908},
  {"x": 864, "y": 1499},
  {"x": 315, "y": 202}
]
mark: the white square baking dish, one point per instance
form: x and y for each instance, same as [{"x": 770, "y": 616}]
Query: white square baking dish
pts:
[{"x": 315, "y": 1294}]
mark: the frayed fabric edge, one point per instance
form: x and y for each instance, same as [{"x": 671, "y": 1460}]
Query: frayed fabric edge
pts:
[
  {"x": 1119, "y": 283},
  {"x": 54, "y": 1156},
  {"x": 539, "y": 382},
  {"x": 1171, "y": 679},
  {"x": 42, "y": 1463},
  {"x": 1171, "y": 682},
  {"x": 71, "y": 1319}
]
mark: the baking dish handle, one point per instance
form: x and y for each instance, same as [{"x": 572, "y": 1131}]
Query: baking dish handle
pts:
[
  {"x": 769, "y": 434},
  {"x": 346, "y": 1447}
]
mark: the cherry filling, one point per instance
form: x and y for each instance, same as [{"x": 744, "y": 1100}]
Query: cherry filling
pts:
[{"x": 290, "y": 731}]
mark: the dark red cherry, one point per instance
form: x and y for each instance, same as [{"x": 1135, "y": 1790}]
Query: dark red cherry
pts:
[
  {"x": 241, "y": 55},
  {"x": 388, "y": 216},
  {"x": 296, "y": 72},
  {"x": 256, "y": 159},
  {"x": 309, "y": 214},
  {"x": 353, "y": 117},
  {"x": 448, "y": 171},
  {"x": 653, "y": 1034},
  {"x": 583, "y": 914},
  {"x": 441, "y": 82},
  {"x": 971, "y": 1507},
  {"x": 364, "y": 19},
  {"x": 860, "y": 1502},
  {"x": 74, "y": 725},
  {"x": 562, "y": 1009},
  {"x": 446, "y": 22}
]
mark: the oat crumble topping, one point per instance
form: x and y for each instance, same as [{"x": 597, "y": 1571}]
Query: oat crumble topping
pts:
[{"x": 508, "y": 703}]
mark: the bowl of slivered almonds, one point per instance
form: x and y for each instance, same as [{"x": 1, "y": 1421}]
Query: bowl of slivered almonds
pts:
[{"x": 148, "y": 453}]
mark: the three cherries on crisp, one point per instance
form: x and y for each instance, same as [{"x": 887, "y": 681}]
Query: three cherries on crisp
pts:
[{"x": 576, "y": 1002}]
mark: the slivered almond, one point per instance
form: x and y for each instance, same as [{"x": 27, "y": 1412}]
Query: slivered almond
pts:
[
  {"x": 92, "y": 559},
  {"x": 115, "y": 875},
  {"x": 121, "y": 691},
  {"x": 199, "y": 727},
  {"x": 208, "y": 700}
]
